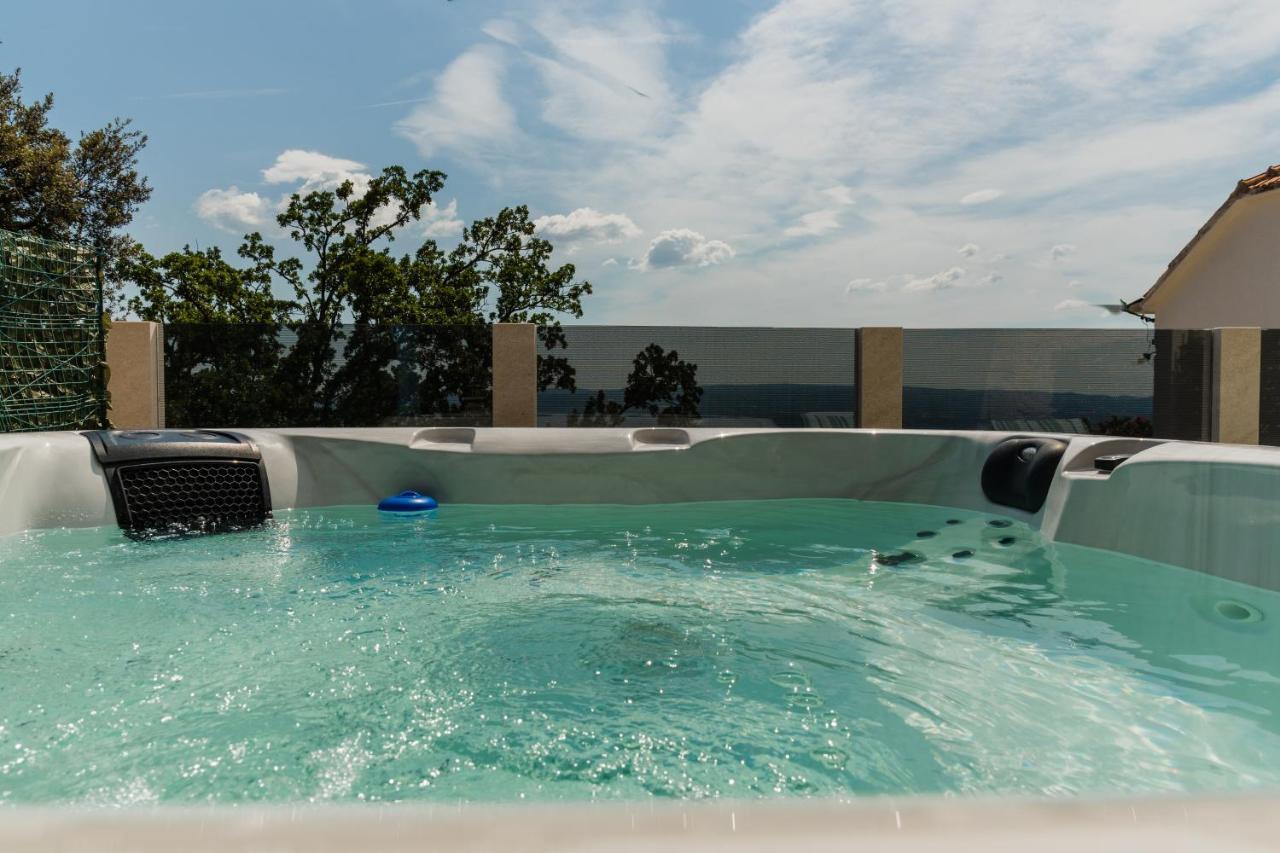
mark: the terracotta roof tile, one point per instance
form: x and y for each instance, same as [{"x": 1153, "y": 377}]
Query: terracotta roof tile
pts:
[{"x": 1268, "y": 180}]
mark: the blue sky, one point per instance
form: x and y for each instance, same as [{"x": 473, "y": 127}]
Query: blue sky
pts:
[{"x": 726, "y": 162}]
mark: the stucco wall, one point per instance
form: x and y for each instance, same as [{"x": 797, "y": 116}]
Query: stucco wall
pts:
[{"x": 1232, "y": 276}]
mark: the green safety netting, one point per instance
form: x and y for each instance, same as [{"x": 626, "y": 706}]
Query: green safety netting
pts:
[{"x": 52, "y": 352}]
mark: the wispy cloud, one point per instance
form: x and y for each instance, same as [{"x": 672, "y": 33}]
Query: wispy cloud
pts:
[
  {"x": 1019, "y": 126},
  {"x": 980, "y": 197},
  {"x": 214, "y": 95},
  {"x": 468, "y": 111},
  {"x": 398, "y": 103}
]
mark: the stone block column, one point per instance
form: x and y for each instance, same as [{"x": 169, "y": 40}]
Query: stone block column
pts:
[
  {"x": 515, "y": 375},
  {"x": 135, "y": 357},
  {"x": 880, "y": 377}
]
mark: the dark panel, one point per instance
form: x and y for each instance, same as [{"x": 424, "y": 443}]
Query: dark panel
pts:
[
  {"x": 698, "y": 376},
  {"x": 1046, "y": 380},
  {"x": 1269, "y": 402},
  {"x": 270, "y": 376},
  {"x": 1183, "y": 384}
]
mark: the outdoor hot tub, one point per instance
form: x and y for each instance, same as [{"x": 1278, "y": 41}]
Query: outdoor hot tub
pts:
[{"x": 657, "y": 635}]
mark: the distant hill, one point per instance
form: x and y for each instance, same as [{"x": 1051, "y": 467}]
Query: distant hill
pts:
[{"x": 923, "y": 408}]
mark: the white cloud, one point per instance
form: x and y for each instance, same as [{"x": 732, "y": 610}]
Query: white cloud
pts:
[
  {"x": 609, "y": 262},
  {"x": 605, "y": 77},
  {"x": 1060, "y": 251},
  {"x": 314, "y": 171},
  {"x": 441, "y": 222},
  {"x": 1074, "y": 305},
  {"x": 944, "y": 280},
  {"x": 866, "y": 285},
  {"x": 827, "y": 217},
  {"x": 233, "y": 210},
  {"x": 980, "y": 197},
  {"x": 505, "y": 31},
  {"x": 311, "y": 168},
  {"x": 1098, "y": 118},
  {"x": 1113, "y": 156},
  {"x": 467, "y": 109},
  {"x": 813, "y": 224},
  {"x": 840, "y": 194},
  {"x": 681, "y": 247},
  {"x": 586, "y": 224}
]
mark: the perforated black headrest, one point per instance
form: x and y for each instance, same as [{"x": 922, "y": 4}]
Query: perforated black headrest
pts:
[{"x": 193, "y": 481}]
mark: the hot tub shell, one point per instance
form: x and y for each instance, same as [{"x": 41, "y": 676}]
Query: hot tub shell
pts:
[{"x": 1208, "y": 507}]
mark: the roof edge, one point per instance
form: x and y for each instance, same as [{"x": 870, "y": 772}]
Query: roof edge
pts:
[{"x": 1256, "y": 185}]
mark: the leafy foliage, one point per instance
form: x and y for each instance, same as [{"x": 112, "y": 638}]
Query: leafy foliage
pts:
[
  {"x": 412, "y": 330},
  {"x": 84, "y": 191},
  {"x": 1122, "y": 425},
  {"x": 659, "y": 383}
]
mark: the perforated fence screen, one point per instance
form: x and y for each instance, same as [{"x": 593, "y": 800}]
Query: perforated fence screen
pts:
[
  {"x": 700, "y": 376},
  {"x": 1049, "y": 380},
  {"x": 272, "y": 376},
  {"x": 1114, "y": 382},
  {"x": 51, "y": 336}
]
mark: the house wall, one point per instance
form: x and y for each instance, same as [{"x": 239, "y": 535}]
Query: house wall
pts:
[{"x": 1232, "y": 276}]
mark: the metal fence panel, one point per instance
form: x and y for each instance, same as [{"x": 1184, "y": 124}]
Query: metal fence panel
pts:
[
  {"x": 742, "y": 376},
  {"x": 273, "y": 376},
  {"x": 1054, "y": 380}
]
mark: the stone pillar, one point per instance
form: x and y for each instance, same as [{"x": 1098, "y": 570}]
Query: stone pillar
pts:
[
  {"x": 515, "y": 375},
  {"x": 135, "y": 357},
  {"x": 1237, "y": 374},
  {"x": 880, "y": 377}
]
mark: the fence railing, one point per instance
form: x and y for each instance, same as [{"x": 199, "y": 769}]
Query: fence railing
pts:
[
  {"x": 1221, "y": 384},
  {"x": 1059, "y": 380},
  {"x": 266, "y": 375}
]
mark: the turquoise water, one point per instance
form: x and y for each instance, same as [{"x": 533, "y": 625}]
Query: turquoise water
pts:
[{"x": 696, "y": 650}]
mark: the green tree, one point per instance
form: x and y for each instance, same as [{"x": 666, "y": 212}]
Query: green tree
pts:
[
  {"x": 223, "y": 338},
  {"x": 412, "y": 330},
  {"x": 659, "y": 383},
  {"x": 428, "y": 309},
  {"x": 51, "y": 187},
  {"x": 201, "y": 287}
]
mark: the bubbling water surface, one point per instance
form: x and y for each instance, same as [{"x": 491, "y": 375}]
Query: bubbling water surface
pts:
[{"x": 800, "y": 647}]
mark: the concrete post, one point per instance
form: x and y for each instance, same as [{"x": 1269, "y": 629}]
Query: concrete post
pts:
[
  {"x": 135, "y": 357},
  {"x": 515, "y": 375},
  {"x": 1237, "y": 381},
  {"x": 880, "y": 377}
]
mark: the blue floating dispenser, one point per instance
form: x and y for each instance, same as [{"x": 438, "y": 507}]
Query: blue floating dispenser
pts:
[{"x": 407, "y": 503}]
